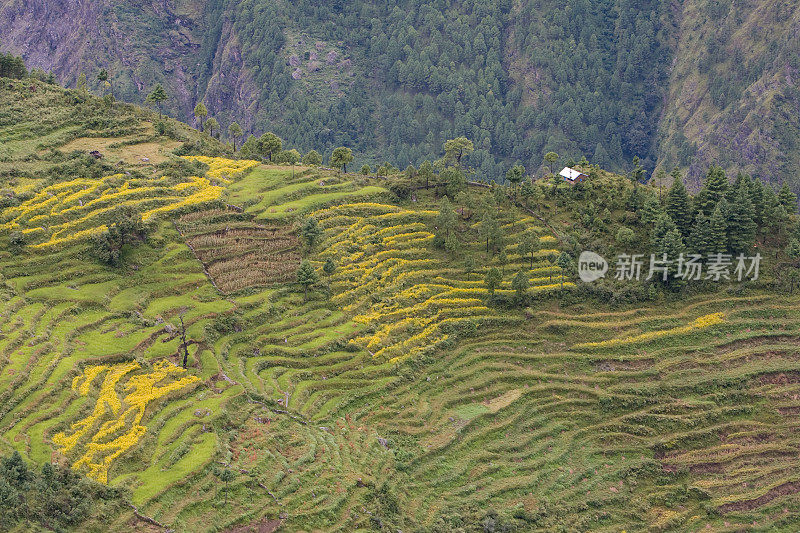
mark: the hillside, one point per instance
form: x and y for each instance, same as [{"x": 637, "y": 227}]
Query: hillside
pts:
[
  {"x": 400, "y": 390},
  {"x": 686, "y": 84}
]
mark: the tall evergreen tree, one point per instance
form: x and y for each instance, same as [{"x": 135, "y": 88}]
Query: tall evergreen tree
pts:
[
  {"x": 200, "y": 112},
  {"x": 306, "y": 276},
  {"x": 714, "y": 189},
  {"x": 269, "y": 144},
  {"x": 210, "y": 125},
  {"x": 678, "y": 205},
  {"x": 235, "y": 131},
  {"x": 156, "y": 96},
  {"x": 446, "y": 222},
  {"x": 520, "y": 284},
  {"x": 756, "y": 192},
  {"x": 787, "y": 198},
  {"x": 672, "y": 247},
  {"x": 664, "y": 224},
  {"x": 719, "y": 228},
  {"x": 741, "y": 225},
  {"x": 651, "y": 210},
  {"x": 701, "y": 236}
]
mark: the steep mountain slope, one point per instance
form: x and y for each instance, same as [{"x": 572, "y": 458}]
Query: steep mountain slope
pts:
[
  {"x": 395, "y": 393},
  {"x": 734, "y": 90},
  {"x": 604, "y": 79}
]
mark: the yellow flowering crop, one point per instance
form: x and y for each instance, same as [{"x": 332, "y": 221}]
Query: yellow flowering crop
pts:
[
  {"x": 392, "y": 283},
  {"x": 115, "y": 423},
  {"x": 702, "y": 322},
  {"x": 223, "y": 169},
  {"x": 73, "y": 210}
]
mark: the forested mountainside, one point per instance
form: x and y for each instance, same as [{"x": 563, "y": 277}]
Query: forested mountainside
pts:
[
  {"x": 683, "y": 84},
  {"x": 675, "y": 83}
]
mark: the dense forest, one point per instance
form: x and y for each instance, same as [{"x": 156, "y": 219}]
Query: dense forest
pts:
[
  {"x": 608, "y": 80},
  {"x": 446, "y": 69}
]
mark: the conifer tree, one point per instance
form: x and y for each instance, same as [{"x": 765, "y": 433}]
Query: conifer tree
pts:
[
  {"x": 492, "y": 280},
  {"x": 210, "y": 125},
  {"x": 520, "y": 284},
  {"x": 714, "y": 189},
  {"x": 235, "y": 131},
  {"x": 200, "y": 112},
  {"x": 156, "y": 96},
  {"x": 651, "y": 210},
  {"x": 311, "y": 231},
  {"x": 756, "y": 192},
  {"x": 700, "y": 238},
  {"x": 446, "y": 221},
  {"x": 564, "y": 262},
  {"x": 719, "y": 228},
  {"x": 787, "y": 198},
  {"x": 678, "y": 206},
  {"x": 741, "y": 226},
  {"x": 664, "y": 224},
  {"x": 269, "y": 144},
  {"x": 671, "y": 246},
  {"x": 306, "y": 276}
]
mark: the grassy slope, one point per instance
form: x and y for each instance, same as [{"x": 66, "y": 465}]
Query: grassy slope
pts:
[{"x": 687, "y": 429}]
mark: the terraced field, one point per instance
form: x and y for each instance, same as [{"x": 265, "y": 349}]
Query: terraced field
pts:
[
  {"x": 393, "y": 396},
  {"x": 683, "y": 430},
  {"x": 238, "y": 254}
]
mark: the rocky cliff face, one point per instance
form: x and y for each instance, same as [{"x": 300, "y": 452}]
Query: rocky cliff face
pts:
[{"x": 140, "y": 43}]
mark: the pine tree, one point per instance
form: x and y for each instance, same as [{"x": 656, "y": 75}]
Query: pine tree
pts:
[
  {"x": 741, "y": 226},
  {"x": 520, "y": 284},
  {"x": 502, "y": 258},
  {"x": 637, "y": 174},
  {"x": 551, "y": 158},
  {"x": 672, "y": 247},
  {"x": 635, "y": 200},
  {"x": 719, "y": 228},
  {"x": 756, "y": 192},
  {"x": 311, "y": 231},
  {"x": 306, "y": 276},
  {"x": 651, "y": 210},
  {"x": 514, "y": 175},
  {"x": 714, "y": 189},
  {"x": 425, "y": 172},
  {"x": 489, "y": 230},
  {"x": 664, "y": 224},
  {"x": 678, "y": 206},
  {"x": 102, "y": 77},
  {"x": 793, "y": 249},
  {"x": 210, "y": 125},
  {"x": 269, "y": 144},
  {"x": 564, "y": 262},
  {"x": 156, "y": 96},
  {"x": 787, "y": 198},
  {"x": 492, "y": 280},
  {"x": 235, "y": 131},
  {"x": 200, "y": 112},
  {"x": 701, "y": 238},
  {"x": 446, "y": 221}
]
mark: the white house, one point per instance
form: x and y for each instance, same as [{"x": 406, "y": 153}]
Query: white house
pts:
[{"x": 572, "y": 176}]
